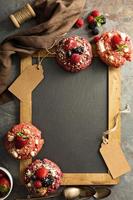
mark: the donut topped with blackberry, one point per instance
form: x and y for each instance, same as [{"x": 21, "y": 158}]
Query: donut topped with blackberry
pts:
[
  {"x": 42, "y": 177},
  {"x": 74, "y": 53},
  {"x": 115, "y": 48}
]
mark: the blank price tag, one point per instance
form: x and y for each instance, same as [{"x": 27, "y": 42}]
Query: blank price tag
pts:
[
  {"x": 114, "y": 158},
  {"x": 27, "y": 82}
]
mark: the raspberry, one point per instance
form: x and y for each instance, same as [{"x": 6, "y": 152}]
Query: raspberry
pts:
[
  {"x": 79, "y": 23},
  {"x": 37, "y": 184},
  {"x": 75, "y": 58},
  {"x": 96, "y": 39},
  {"x": 90, "y": 19},
  {"x": 41, "y": 173},
  {"x": 70, "y": 44},
  {"x": 95, "y": 13},
  {"x": 116, "y": 39}
]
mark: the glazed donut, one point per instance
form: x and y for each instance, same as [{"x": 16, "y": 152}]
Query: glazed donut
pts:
[{"x": 115, "y": 48}]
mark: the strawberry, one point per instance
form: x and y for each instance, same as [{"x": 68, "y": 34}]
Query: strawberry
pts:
[
  {"x": 4, "y": 185},
  {"x": 37, "y": 184},
  {"x": 116, "y": 40},
  {"x": 75, "y": 58},
  {"x": 95, "y": 13},
  {"x": 90, "y": 19},
  {"x": 41, "y": 173},
  {"x": 96, "y": 39},
  {"x": 79, "y": 23},
  {"x": 70, "y": 44},
  {"x": 21, "y": 140}
]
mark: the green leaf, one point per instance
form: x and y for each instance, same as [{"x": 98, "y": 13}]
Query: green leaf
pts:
[
  {"x": 120, "y": 47},
  {"x": 99, "y": 20},
  {"x": 99, "y": 24},
  {"x": 22, "y": 135}
]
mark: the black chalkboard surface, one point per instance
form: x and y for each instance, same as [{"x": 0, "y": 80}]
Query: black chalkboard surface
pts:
[{"x": 71, "y": 110}]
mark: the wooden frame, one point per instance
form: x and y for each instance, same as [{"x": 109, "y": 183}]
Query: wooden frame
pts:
[{"x": 113, "y": 109}]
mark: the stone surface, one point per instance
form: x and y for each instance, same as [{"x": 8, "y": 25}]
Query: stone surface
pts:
[{"x": 120, "y": 16}]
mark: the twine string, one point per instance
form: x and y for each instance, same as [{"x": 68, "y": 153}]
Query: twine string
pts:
[
  {"x": 57, "y": 40},
  {"x": 40, "y": 60},
  {"x": 106, "y": 134}
]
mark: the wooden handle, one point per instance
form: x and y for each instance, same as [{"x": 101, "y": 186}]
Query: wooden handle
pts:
[{"x": 25, "y": 112}]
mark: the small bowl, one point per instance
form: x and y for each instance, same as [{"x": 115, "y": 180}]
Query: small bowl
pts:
[{"x": 11, "y": 182}]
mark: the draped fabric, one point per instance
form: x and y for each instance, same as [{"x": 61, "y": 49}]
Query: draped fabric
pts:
[{"x": 54, "y": 18}]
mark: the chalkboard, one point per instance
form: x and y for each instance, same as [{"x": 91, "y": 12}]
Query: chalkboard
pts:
[{"x": 71, "y": 111}]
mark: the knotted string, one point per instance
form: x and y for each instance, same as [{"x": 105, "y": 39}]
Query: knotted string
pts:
[
  {"x": 57, "y": 40},
  {"x": 108, "y": 132},
  {"x": 40, "y": 59}
]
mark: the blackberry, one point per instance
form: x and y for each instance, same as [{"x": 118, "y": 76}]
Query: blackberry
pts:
[
  {"x": 78, "y": 50},
  {"x": 95, "y": 31},
  {"x": 33, "y": 177},
  {"x": 68, "y": 54},
  {"x": 92, "y": 25},
  {"x": 47, "y": 181}
]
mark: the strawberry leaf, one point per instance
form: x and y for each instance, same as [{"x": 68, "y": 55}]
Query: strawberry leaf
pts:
[
  {"x": 22, "y": 135},
  {"x": 120, "y": 47}
]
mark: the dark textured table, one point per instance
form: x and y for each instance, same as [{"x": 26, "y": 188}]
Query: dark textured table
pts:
[{"x": 120, "y": 16}]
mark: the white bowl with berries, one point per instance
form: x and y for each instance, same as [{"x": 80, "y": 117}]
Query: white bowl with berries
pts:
[{"x": 6, "y": 183}]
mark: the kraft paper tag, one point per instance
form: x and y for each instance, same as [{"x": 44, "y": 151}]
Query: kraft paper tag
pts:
[
  {"x": 114, "y": 158},
  {"x": 27, "y": 82}
]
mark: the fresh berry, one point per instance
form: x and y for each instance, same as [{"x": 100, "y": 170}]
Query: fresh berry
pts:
[
  {"x": 79, "y": 23},
  {"x": 90, "y": 19},
  {"x": 47, "y": 181},
  {"x": 41, "y": 173},
  {"x": 33, "y": 177},
  {"x": 68, "y": 54},
  {"x": 37, "y": 184},
  {"x": 4, "y": 185},
  {"x": 78, "y": 50},
  {"x": 116, "y": 39},
  {"x": 96, "y": 39},
  {"x": 95, "y": 13},
  {"x": 70, "y": 44},
  {"x": 92, "y": 25},
  {"x": 20, "y": 140},
  {"x": 75, "y": 58},
  {"x": 95, "y": 31}
]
